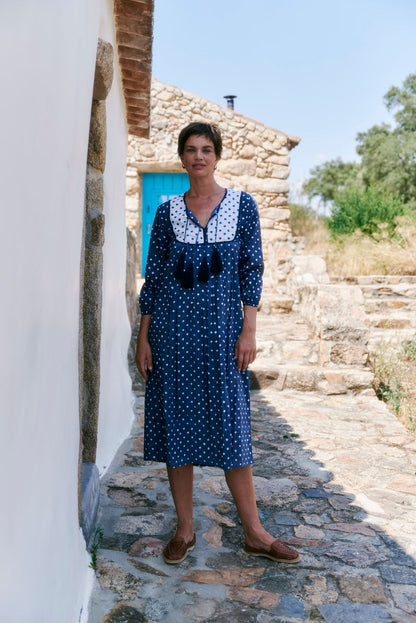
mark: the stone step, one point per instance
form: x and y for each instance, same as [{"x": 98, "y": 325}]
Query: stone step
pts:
[
  {"x": 264, "y": 373},
  {"x": 390, "y": 304},
  {"x": 391, "y": 321},
  {"x": 283, "y": 351},
  {"x": 276, "y": 304},
  {"x": 406, "y": 290},
  {"x": 375, "y": 279}
]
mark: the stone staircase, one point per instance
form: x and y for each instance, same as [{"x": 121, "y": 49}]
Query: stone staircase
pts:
[
  {"x": 289, "y": 357},
  {"x": 390, "y": 305},
  {"x": 321, "y": 337}
]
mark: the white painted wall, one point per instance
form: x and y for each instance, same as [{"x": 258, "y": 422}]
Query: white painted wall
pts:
[
  {"x": 116, "y": 415},
  {"x": 47, "y": 61}
]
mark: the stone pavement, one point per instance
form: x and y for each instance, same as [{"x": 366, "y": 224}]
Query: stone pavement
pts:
[{"x": 334, "y": 476}]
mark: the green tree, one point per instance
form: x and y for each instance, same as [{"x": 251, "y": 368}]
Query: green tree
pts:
[
  {"x": 388, "y": 155},
  {"x": 388, "y": 160},
  {"x": 404, "y": 101},
  {"x": 330, "y": 178}
]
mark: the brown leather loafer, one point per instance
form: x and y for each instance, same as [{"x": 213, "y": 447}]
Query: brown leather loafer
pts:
[
  {"x": 278, "y": 551},
  {"x": 177, "y": 550}
]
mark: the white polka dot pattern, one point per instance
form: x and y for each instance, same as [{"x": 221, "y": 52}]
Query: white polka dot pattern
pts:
[
  {"x": 221, "y": 227},
  {"x": 197, "y": 406}
]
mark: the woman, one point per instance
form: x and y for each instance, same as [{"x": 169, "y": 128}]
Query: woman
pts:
[{"x": 194, "y": 343}]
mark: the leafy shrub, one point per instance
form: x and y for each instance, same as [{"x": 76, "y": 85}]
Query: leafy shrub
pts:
[{"x": 371, "y": 211}]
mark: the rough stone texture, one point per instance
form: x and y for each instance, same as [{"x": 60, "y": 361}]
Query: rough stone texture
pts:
[
  {"x": 131, "y": 269},
  {"x": 260, "y": 599},
  {"x": 147, "y": 525},
  {"x": 122, "y": 612},
  {"x": 358, "y": 552},
  {"x": 98, "y": 136},
  {"x": 103, "y": 77},
  {"x": 365, "y": 590},
  {"x": 404, "y": 597},
  {"x": 147, "y": 547},
  {"x": 228, "y": 577},
  {"x": 354, "y": 613},
  {"x": 92, "y": 276},
  {"x": 255, "y": 159},
  {"x": 113, "y": 577}
]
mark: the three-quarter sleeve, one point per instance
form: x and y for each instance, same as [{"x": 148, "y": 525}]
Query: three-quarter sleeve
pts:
[
  {"x": 156, "y": 260},
  {"x": 251, "y": 264}
]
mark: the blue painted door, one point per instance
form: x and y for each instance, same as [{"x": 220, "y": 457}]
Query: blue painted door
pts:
[{"x": 157, "y": 188}]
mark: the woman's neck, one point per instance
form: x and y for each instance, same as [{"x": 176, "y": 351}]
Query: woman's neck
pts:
[{"x": 204, "y": 188}]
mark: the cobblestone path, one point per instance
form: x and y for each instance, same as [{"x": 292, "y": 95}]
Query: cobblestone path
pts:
[{"x": 335, "y": 477}]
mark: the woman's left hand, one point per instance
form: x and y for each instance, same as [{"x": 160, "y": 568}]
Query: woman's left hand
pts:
[{"x": 245, "y": 349}]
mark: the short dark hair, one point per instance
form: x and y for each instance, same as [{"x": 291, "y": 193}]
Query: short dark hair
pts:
[{"x": 198, "y": 128}]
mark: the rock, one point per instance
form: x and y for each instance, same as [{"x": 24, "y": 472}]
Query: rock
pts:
[
  {"x": 362, "y": 589},
  {"x": 146, "y": 525},
  {"x": 127, "y": 481},
  {"x": 219, "y": 519},
  {"x": 307, "y": 532},
  {"x": 357, "y": 554},
  {"x": 229, "y": 577},
  {"x": 404, "y": 597},
  {"x": 213, "y": 536},
  {"x": 355, "y": 528},
  {"x": 354, "y": 613},
  {"x": 405, "y": 483},
  {"x": 124, "y": 497},
  {"x": 348, "y": 354},
  {"x": 290, "y": 605},
  {"x": 103, "y": 77},
  {"x": 398, "y": 574},
  {"x": 122, "y": 612},
  {"x": 114, "y": 578},
  {"x": 156, "y": 609},
  {"x": 253, "y": 597},
  {"x": 147, "y": 547},
  {"x": 315, "y": 590},
  {"x": 200, "y": 610}
]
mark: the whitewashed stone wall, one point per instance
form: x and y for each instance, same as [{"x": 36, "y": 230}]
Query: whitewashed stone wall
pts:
[{"x": 255, "y": 159}]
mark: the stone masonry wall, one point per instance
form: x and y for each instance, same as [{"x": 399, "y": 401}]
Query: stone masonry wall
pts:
[{"x": 255, "y": 159}]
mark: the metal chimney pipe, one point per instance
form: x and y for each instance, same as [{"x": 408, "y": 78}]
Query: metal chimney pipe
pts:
[{"x": 230, "y": 101}]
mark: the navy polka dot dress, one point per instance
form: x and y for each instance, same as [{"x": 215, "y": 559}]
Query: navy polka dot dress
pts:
[{"x": 197, "y": 406}]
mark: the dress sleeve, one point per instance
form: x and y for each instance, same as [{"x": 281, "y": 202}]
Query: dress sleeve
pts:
[
  {"x": 156, "y": 260},
  {"x": 251, "y": 255}
]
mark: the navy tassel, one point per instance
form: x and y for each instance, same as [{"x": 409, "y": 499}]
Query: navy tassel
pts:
[
  {"x": 188, "y": 276},
  {"x": 180, "y": 266},
  {"x": 216, "y": 262},
  {"x": 203, "y": 272}
]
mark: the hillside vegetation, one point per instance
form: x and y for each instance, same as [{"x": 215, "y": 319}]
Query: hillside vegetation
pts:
[{"x": 371, "y": 227}]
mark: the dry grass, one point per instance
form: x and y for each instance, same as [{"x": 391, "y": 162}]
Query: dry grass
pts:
[
  {"x": 361, "y": 255},
  {"x": 394, "y": 367}
]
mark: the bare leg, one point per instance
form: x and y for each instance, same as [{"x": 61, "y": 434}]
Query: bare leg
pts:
[
  {"x": 181, "y": 483},
  {"x": 240, "y": 483}
]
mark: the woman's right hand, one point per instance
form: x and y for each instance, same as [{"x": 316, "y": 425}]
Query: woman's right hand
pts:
[
  {"x": 143, "y": 357},
  {"x": 143, "y": 351}
]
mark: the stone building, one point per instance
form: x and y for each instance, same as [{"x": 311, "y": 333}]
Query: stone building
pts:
[
  {"x": 255, "y": 158},
  {"x": 75, "y": 81}
]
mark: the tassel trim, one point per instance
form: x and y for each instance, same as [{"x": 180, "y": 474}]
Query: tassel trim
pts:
[{"x": 186, "y": 274}]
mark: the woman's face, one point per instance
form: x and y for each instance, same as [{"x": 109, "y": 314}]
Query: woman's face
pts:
[{"x": 199, "y": 158}]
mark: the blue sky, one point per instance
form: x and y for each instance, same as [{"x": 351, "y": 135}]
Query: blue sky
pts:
[{"x": 317, "y": 69}]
